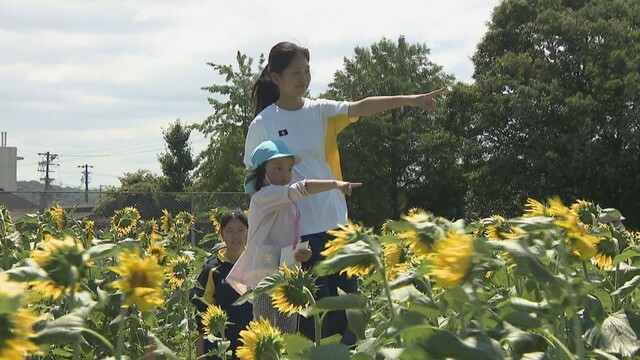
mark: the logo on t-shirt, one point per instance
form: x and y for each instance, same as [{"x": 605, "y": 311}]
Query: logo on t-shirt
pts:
[{"x": 283, "y": 132}]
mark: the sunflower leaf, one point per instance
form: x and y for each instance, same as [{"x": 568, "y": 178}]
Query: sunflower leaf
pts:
[
  {"x": 101, "y": 251},
  {"x": 295, "y": 344},
  {"x": 526, "y": 259},
  {"x": 263, "y": 286},
  {"x": 626, "y": 255},
  {"x": 161, "y": 348},
  {"x": 357, "y": 253},
  {"x": 627, "y": 288},
  {"x": 65, "y": 329},
  {"x": 331, "y": 303},
  {"x": 617, "y": 334},
  {"x": 334, "y": 351},
  {"x": 26, "y": 273},
  {"x": 358, "y": 320}
]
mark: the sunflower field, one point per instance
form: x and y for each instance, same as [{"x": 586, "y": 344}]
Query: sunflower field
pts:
[{"x": 559, "y": 282}]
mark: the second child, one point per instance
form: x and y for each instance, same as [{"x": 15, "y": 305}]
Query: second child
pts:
[{"x": 274, "y": 223}]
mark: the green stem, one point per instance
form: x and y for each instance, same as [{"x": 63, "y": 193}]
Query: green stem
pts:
[
  {"x": 185, "y": 300},
  {"x": 5, "y": 242},
  {"x": 316, "y": 318},
  {"x": 120, "y": 339},
  {"x": 560, "y": 344},
  {"x": 575, "y": 321},
  {"x": 387, "y": 289},
  {"x": 101, "y": 338},
  {"x": 585, "y": 270},
  {"x": 479, "y": 309},
  {"x": 463, "y": 324}
]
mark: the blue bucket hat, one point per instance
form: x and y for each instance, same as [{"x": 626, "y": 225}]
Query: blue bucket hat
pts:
[{"x": 267, "y": 150}]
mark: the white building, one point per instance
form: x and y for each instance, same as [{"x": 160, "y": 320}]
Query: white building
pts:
[{"x": 8, "y": 165}]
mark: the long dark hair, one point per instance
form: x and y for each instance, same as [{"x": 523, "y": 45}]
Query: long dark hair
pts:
[
  {"x": 265, "y": 92},
  {"x": 256, "y": 175},
  {"x": 232, "y": 214}
]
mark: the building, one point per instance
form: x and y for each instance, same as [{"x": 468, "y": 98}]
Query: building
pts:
[{"x": 8, "y": 165}]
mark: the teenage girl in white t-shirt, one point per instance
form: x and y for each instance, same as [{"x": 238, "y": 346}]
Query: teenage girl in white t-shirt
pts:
[{"x": 309, "y": 129}]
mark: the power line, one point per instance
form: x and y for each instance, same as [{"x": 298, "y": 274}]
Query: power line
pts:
[
  {"x": 85, "y": 179},
  {"x": 44, "y": 166}
]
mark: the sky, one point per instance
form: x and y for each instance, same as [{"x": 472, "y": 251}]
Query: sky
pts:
[{"x": 96, "y": 82}]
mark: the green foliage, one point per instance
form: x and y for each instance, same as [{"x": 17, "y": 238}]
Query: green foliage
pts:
[
  {"x": 177, "y": 162},
  {"x": 141, "y": 189},
  {"x": 554, "y": 108},
  {"x": 402, "y": 156},
  {"x": 519, "y": 288},
  {"x": 221, "y": 167}
]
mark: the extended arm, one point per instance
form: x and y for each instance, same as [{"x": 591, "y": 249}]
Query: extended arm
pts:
[
  {"x": 316, "y": 186},
  {"x": 377, "y": 104}
]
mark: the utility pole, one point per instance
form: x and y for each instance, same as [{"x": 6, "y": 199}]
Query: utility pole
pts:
[
  {"x": 85, "y": 180},
  {"x": 45, "y": 167}
]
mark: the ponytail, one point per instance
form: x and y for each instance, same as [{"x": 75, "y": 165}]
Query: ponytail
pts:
[{"x": 265, "y": 92}]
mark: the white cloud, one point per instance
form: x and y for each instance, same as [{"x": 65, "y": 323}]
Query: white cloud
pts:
[{"x": 106, "y": 77}]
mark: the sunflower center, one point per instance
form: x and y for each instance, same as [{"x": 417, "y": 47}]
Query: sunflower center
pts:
[{"x": 140, "y": 279}]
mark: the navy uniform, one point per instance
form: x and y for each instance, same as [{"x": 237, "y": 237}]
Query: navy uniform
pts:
[{"x": 216, "y": 291}]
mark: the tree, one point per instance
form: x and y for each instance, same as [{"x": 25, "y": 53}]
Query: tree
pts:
[
  {"x": 140, "y": 189},
  {"x": 221, "y": 167},
  {"x": 401, "y": 156},
  {"x": 177, "y": 163},
  {"x": 556, "y": 106}
]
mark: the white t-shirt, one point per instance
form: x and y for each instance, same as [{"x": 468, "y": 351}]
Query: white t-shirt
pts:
[{"x": 310, "y": 133}]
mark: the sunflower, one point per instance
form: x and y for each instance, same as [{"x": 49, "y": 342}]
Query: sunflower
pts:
[
  {"x": 396, "y": 260},
  {"x": 216, "y": 223},
  {"x": 426, "y": 231},
  {"x": 420, "y": 246},
  {"x": 414, "y": 211},
  {"x": 214, "y": 320},
  {"x": 15, "y": 322},
  {"x": 346, "y": 235},
  {"x": 291, "y": 297},
  {"x": 178, "y": 270},
  {"x": 260, "y": 341},
  {"x": 125, "y": 220},
  {"x": 362, "y": 269},
  {"x": 15, "y": 330},
  {"x": 5, "y": 220},
  {"x": 583, "y": 244},
  {"x": 341, "y": 237},
  {"x": 148, "y": 229},
  {"x": 157, "y": 252},
  {"x": 90, "y": 229},
  {"x": 59, "y": 215},
  {"x": 141, "y": 281},
  {"x": 534, "y": 208},
  {"x": 165, "y": 220},
  {"x": 62, "y": 260},
  {"x": 606, "y": 250},
  {"x": 384, "y": 229},
  {"x": 184, "y": 219},
  {"x": 10, "y": 292},
  {"x": 587, "y": 211},
  {"x": 451, "y": 259}
]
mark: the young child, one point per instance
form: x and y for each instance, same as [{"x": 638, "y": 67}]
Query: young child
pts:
[
  {"x": 274, "y": 223},
  {"x": 216, "y": 291}
]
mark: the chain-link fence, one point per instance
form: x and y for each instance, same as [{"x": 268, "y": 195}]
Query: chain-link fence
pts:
[{"x": 100, "y": 206}]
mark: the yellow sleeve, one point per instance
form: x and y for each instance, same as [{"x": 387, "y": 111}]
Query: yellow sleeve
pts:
[
  {"x": 210, "y": 289},
  {"x": 335, "y": 125}
]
